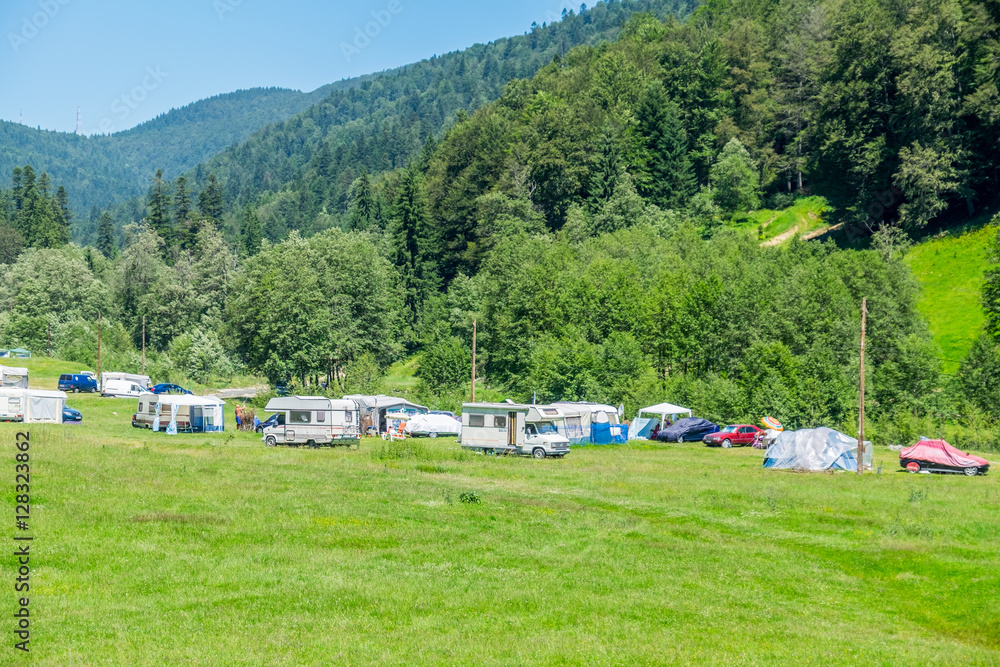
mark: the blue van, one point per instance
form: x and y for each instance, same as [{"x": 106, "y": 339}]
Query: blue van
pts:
[{"x": 77, "y": 383}]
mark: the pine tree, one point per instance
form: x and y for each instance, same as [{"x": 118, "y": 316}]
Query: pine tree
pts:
[
  {"x": 414, "y": 244},
  {"x": 607, "y": 168},
  {"x": 250, "y": 232},
  {"x": 210, "y": 201},
  {"x": 363, "y": 213},
  {"x": 65, "y": 215},
  {"x": 182, "y": 202},
  {"x": 106, "y": 237},
  {"x": 157, "y": 205},
  {"x": 668, "y": 178}
]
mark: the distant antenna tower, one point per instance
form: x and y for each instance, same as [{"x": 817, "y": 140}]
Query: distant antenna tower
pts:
[
  {"x": 20, "y": 116},
  {"x": 79, "y": 122}
]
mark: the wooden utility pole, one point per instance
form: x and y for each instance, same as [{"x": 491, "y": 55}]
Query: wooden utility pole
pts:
[
  {"x": 143, "y": 344},
  {"x": 48, "y": 339},
  {"x": 474, "y": 331},
  {"x": 861, "y": 410},
  {"x": 99, "y": 348}
]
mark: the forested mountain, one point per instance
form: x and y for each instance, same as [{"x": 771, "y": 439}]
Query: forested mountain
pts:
[{"x": 103, "y": 169}]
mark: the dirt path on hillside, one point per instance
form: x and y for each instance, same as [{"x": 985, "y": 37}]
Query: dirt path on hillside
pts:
[{"x": 781, "y": 238}]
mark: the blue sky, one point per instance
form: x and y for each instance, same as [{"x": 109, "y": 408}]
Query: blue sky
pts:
[{"x": 113, "y": 56}]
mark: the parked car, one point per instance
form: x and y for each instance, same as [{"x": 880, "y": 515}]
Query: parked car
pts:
[
  {"x": 939, "y": 456},
  {"x": 446, "y": 413},
  {"x": 71, "y": 416},
  {"x": 738, "y": 435},
  {"x": 74, "y": 383},
  {"x": 689, "y": 429},
  {"x": 123, "y": 389},
  {"x": 277, "y": 419},
  {"x": 282, "y": 389},
  {"x": 170, "y": 389}
]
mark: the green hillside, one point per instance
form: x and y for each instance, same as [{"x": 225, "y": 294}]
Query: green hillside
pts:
[{"x": 950, "y": 269}]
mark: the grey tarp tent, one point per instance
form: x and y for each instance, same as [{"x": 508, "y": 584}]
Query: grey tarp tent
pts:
[{"x": 815, "y": 449}]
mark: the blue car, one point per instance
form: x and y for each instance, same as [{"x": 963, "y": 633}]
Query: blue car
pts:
[
  {"x": 71, "y": 416},
  {"x": 169, "y": 389},
  {"x": 76, "y": 383}
]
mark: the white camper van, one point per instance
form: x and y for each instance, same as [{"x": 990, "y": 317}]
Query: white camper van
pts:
[
  {"x": 131, "y": 378},
  {"x": 312, "y": 421},
  {"x": 504, "y": 428},
  {"x": 123, "y": 389}
]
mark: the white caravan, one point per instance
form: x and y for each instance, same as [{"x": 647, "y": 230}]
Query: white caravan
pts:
[
  {"x": 312, "y": 421},
  {"x": 503, "y": 428},
  {"x": 141, "y": 380},
  {"x": 13, "y": 377},
  {"x": 32, "y": 406}
]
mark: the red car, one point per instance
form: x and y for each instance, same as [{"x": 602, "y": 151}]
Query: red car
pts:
[
  {"x": 741, "y": 435},
  {"x": 939, "y": 456}
]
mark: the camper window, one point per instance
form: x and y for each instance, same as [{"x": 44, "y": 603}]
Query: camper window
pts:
[
  {"x": 300, "y": 417},
  {"x": 320, "y": 417},
  {"x": 499, "y": 422},
  {"x": 530, "y": 429},
  {"x": 140, "y": 407},
  {"x": 550, "y": 411},
  {"x": 477, "y": 421}
]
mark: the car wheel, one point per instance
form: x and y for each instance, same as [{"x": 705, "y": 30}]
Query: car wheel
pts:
[
  {"x": 727, "y": 443},
  {"x": 680, "y": 439},
  {"x": 971, "y": 472},
  {"x": 271, "y": 441},
  {"x": 433, "y": 435},
  {"x": 913, "y": 466},
  {"x": 538, "y": 453}
]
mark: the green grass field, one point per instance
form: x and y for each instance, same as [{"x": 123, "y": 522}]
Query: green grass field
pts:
[
  {"x": 807, "y": 214},
  {"x": 950, "y": 269},
  {"x": 215, "y": 550}
]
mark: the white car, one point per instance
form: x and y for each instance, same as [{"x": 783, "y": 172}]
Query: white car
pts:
[{"x": 123, "y": 389}]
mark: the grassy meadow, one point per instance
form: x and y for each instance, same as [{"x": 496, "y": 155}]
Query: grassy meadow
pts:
[
  {"x": 950, "y": 268},
  {"x": 213, "y": 549}
]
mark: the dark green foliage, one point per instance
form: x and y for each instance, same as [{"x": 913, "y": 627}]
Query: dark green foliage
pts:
[
  {"x": 182, "y": 202},
  {"x": 40, "y": 218},
  {"x": 446, "y": 363},
  {"x": 106, "y": 237},
  {"x": 251, "y": 235},
  {"x": 667, "y": 178},
  {"x": 210, "y": 202},
  {"x": 414, "y": 243},
  {"x": 158, "y": 205}
]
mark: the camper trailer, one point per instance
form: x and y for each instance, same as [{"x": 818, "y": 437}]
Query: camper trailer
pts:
[
  {"x": 13, "y": 377},
  {"x": 32, "y": 406},
  {"x": 121, "y": 379},
  {"x": 377, "y": 412},
  {"x": 592, "y": 424},
  {"x": 312, "y": 421},
  {"x": 503, "y": 428},
  {"x": 180, "y": 414}
]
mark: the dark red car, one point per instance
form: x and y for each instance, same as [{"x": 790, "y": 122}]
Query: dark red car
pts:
[{"x": 738, "y": 435}]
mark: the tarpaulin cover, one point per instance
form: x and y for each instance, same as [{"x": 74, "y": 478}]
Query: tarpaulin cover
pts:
[
  {"x": 686, "y": 426},
  {"x": 815, "y": 449},
  {"x": 440, "y": 424},
  {"x": 940, "y": 452},
  {"x": 642, "y": 427}
]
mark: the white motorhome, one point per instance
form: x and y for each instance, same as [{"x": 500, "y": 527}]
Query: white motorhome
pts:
[
  {"x": 504, "y": 428},
  {"x": 32, "y": 406},
  {"x": 141, "y": 380},
  {"x": 13, "y": 377},
  {"x": 312, "y": 421}
]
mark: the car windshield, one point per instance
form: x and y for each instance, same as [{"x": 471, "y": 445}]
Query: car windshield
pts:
[{"x": 729, "y": 429}]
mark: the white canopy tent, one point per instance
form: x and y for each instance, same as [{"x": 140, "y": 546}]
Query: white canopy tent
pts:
[{"x": 643, "y": 426}]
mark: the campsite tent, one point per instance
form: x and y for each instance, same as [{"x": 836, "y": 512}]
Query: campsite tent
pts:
[
  {"x": 642, "y": 427},
  {"x": 19, "y": 353},
  {"x": 13, "y": 377},
  {"x": 32, "y": 406},
  {"x": 815, "y": 449},
  {"x": 592, "y": 424},
  {"x": 195, "y": 414},
  {"x": 374, "y": 408}
]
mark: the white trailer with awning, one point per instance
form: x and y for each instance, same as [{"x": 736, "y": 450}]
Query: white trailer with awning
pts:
[
  {"x": 13, "y": 377},
  {"x": 31, "y": 406}
]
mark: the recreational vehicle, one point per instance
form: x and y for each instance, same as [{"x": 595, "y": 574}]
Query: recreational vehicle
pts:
[
  {"x": 503, "y": 428},
  {"x": 32, "y": 406},
  {"x": 312, "y": 421},
  {"x": 180, "y": 414},
  {"x": 13, "y": 377}
]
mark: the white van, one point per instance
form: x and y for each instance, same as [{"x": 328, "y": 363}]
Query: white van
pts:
[
  {"x": 123, "y": 389},
  {"x": 312, "y": 421}
]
